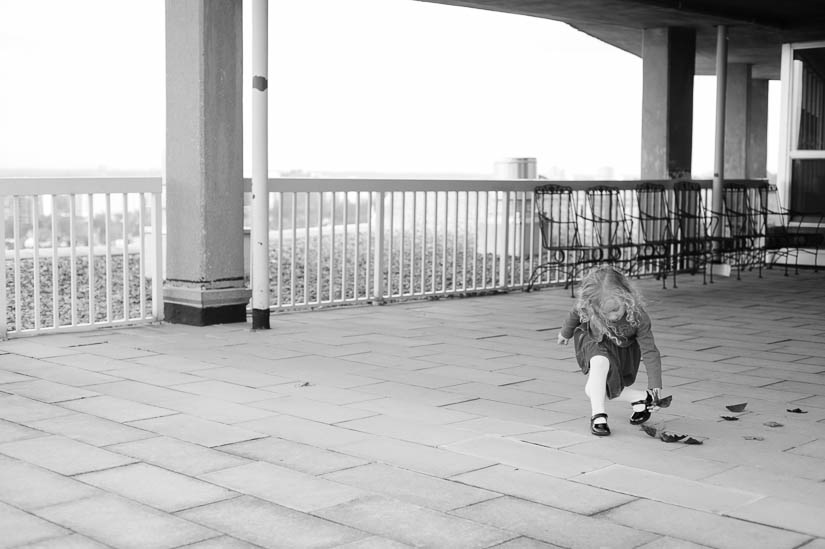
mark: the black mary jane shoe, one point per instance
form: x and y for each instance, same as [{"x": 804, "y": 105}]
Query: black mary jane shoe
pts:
[
  {"x": 640, "y": 417},
  {"x": 599, "y": 429}
]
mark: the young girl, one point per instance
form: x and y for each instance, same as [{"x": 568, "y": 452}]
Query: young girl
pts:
[{"x": 611, "y": 333}]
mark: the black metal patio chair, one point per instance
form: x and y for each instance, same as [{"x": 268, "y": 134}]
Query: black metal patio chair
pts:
[
  {"x": 607, "y": 226},
  {"x": 740, "y": 239},
  {"x": 653, "y": 221},
  {"x": 693, "y": 248},
  {"x": 562, "y": 248}
]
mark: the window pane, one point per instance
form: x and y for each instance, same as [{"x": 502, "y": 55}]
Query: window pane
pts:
[
  {"x": 808, "y": 189},
  {"x": 812, "y": 116}
]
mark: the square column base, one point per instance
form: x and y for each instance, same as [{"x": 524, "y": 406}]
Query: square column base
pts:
[{"x": 197, "y": 307}]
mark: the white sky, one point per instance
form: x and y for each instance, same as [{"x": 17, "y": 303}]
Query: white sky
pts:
[{"x": 388, "y": 86}]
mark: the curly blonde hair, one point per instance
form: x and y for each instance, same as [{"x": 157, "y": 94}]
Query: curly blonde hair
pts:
[{"x": 602, "y": 284}]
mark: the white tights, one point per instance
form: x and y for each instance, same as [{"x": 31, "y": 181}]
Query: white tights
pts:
[{"x": 596, "y": 388}]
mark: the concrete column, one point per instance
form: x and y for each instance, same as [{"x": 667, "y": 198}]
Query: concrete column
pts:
[
  {"x": 757, "y": 167},
  {"x": 668, "y": 67},
  {"x": 746, "y": 124},
  {"x": 737, "y": 100},
  {"x": 204, "y": 163}
]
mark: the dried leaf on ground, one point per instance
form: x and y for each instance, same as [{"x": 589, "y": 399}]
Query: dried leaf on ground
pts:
[
  {"x": 693, "y": 440},
  {"x": 671, "y": 437},
  {"x": 737, "y": 407},
  {"x": 730, "y": 418},
  {"x": 772, "y": 424},
  {"x": 749, "y": 437},
  {"x": 664, "y": 402},
  {"x": 652, "y": 431},
  {"x": 797, "y": 411}
]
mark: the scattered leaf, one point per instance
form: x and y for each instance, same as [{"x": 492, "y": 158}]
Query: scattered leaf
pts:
[
  {"x": 772, "y": 424},
  {"x": 730, "y": 418},
  {"x": 649, "y": 430},
  {"x": 737, "y": 407},
  {"x": 692, "y": 440},
  {"x": 748, "y": 437},
  {"x": 671, "y": 437},
  {"x": 304, "y": 384},
  {"x": 797, "y": 411},
  {"x": 664, "y": 402}
]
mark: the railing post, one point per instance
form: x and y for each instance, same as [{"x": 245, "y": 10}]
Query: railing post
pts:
[
  {"x": 3, "y": 297},
  {"x": 157, "y": 276},
  {"x": 506, "y": 244},
  {"x": 378, "y": 262}
]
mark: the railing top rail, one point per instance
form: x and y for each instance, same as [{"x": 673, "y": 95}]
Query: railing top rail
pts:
[
  {"x": 28, "y": 186},
  {"x": 309, "y": 184}
]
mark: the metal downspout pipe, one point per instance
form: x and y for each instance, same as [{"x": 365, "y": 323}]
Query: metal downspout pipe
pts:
[
  {"x": 259, "y": 237},
  {"x": 719, "y": 150}
]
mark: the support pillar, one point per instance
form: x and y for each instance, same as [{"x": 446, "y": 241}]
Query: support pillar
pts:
[
  {"x": 746, "y": 124},
  {"x": 204, "y": 163},
  {"x": 668, "y": 67}
]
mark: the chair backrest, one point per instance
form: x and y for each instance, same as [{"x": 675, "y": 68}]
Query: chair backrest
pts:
[
  {"x": 739, "y": 218},
  {"x": 556, "y": 209},
  {"x": 654, "y": 213},
  {"x": 607, "y": 218},
  {"x": 690, "y": 211}
]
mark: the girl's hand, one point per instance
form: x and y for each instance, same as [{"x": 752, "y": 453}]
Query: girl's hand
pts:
[{"x": 561, "y": 340}]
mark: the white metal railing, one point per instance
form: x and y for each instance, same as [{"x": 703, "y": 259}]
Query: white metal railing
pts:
[
  {"x": 79, "y": 253},
  {"x": 336, "y": 241}
]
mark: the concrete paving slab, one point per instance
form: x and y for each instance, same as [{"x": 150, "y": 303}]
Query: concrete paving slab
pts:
[
  {"x": 323, "y": 393},
  {"x": 440, "y": 415},
  {"x": 413, "y": 393},
  {"x": 225, "y": 391},
  {"x": 293, "y": 455},
  {"x": 553, "y": 525},
  {"x": 507, "y": 394},
  {"x": 20, "y": 409},
  {"x": 118, "y": 522},
  {"x": 28, "y": 486},
  {"x": 420, "y": 432},
  {"x": 283, "y": 486},
  {"x": 305, "y": 431},
  {"x": 222, "y": 542},
  {"x": 669, "y": 489},
  {"x": 20, "y": 528},
  {"x": 9, "y": 432},
  {"x": 374, "y": 542},
  {"x": 63, "y": 455},
  {"x": 273, "y": 526},
  {"x": 313, "y": 410},
  {"x": 416, "y": 457},
  {"x": 414, "y": 525},
  {"x": 416, "y": 488},
  {"x": 90, "y": 429},
  {"x": 72, "y": 541},
  {"x": 510, "y": 412},
  {"x": 545, "y": 489},
  {"x": 551, "y": 461},
  {"x": 786, "y": 514},
  {"x": 197, "y": 430},
  {"x": 116, "y": 409},
  {"x": 177, "y": 455},
  {"x": 701, "y": 527},
  {"x": 156, "y": 487}
]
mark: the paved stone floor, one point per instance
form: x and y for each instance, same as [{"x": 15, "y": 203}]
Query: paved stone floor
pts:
[{"x": 449, "y": 423}]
